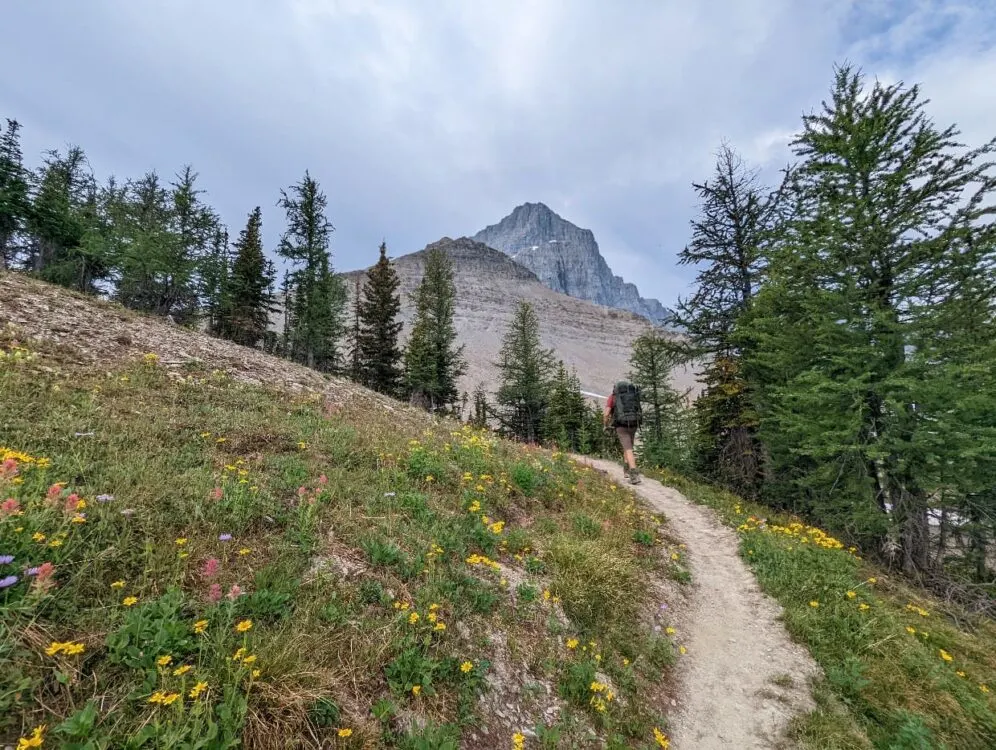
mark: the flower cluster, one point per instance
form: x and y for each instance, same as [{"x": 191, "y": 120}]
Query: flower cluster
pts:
[{"x": 602, "y": 695}]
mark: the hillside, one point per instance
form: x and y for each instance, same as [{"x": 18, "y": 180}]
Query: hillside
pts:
[
  {"x": 566, "y": 258},
  {"x": 594, "y": 339},
  {"x": 203, "y": 546}
]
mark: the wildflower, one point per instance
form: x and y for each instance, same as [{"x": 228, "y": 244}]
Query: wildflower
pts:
[
  {"x": 255, "y": 673},
  {"x": 38, "y": 537},
  {"x": 872, "y": 581},
  {"x": 234, "y": 592},
  {"x": 572, "y": 643},
  {"x": 69, "y": 648},
  {"x": 249, "y": 659},
  {"x": 863, "y": 607},
  {"x": 301, "y": 445},
  {"x": 661, "y": 739},
  {"x": 118, "y": 585},
  {"x": 851, "y": 594},
  {"x": 214, "y": 593},
  {"x": 130, "y": 601},
  {"x": 416, "y": 690},
  {"x": 164, "y": 661},
  {"x": 345, "y": 732},
  {"x": 157, "y": 697},
  {"x": 170, "y": 698},
  {"x": 429, "y": 479},
  {"x": 244, "y": 551},
  {"x": 220, "y": 440},
  {"x": 8, "y": 581},
  {"x": 9, "y": 507},
  {"x": 960, "y": 674},
  {"x": 224, "y": 537},
  {"x": 210, "y": 567},
  {"x": 440, "y": 626},
  {"x": 413, "y": 618},
  {"x": 432, "y": 617},
  {"x": 216, "y": 494},
  {"x": 466, "y": 667},
  {"x": 984, "y": 688},
  {"x": 814, "y": 604},
  {"x": 518, "y": 741},
  {"x": 105, "y": 498},
  {"x": 237, "y": 656},
  {"x": 546, "y": 595},
  {"x": 682, "y": 650},
  {"x": 55, "y": 543},
  {"x": 200, "y": 626},
  {"x": 625, "y": 662},
  {"x": 944, "y": 655},
  {"x": 6, "y": 559},
  {"x": 243, "y": 626},
  {"x": 180, "y": 541},
  {"x": 670, "y": 631},
  {"x": 35, "y": 740},
  {"x": 182, "y": 670},
  {"x": 911, "y": 631}
]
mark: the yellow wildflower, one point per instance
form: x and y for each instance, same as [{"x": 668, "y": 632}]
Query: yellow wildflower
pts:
[
  {"x": 440, "y": 626},
  {"x": 170, "y": 698},
  {"x": 661, "y": 739},
  {"x": 243, "y": 626},
  {"x": 911, "y": 631},
  {"x": 249, "y": 659},
  {"x": 814, "y": 604},
  {"x": 944, "y": 655},
  {"x": 572, "y": 643},
  {"x": 851, "y": 594},
  {"x": 180, "y": 541},
  {"x": 55, "y": 543},
  {"x": 129, "y": 601},
  {"x": 682, "y": 650},
  {"x": 157, "y": 697},
  {"x": 413, "y": 618},
  {"x": 864, "y": 606},
  {"x": 239, "y": 654},
  {"x": 118, "y": 585},
  {"x": 197, "y": 689},
  {"x": 670, "y": 631},
  {"x": 345, "y": 732},
  {"x": 255, "y": 673},
  {"x": 960, "y": 673},
  {"x": 180, "y": 671},
  {"x": 164, "y": 661},
  {"x": 416, "y": 690},
  {"x": 38, "y": 537},
  {"x": 984, "y": 688},
  {"x": 36, "y": 738},
  {"x": 244, "y": 551},
  {"x": 466, "y": 667},
  {"x": 200, "y": 626},
  {"x": 518, "y": 741}
]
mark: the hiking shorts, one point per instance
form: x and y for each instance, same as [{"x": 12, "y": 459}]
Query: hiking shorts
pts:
[{"x": 626, "y": 437}]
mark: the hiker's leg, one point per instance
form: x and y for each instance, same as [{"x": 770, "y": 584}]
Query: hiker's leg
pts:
[{"x": 626, "y": 436}]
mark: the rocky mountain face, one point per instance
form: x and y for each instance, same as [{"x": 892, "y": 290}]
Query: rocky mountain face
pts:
[
  {"x": 593, "y": 339},
  {"x": 566, "y": 258}
]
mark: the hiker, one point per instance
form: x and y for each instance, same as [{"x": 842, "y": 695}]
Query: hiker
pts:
[{"x": 623, "y": 411}]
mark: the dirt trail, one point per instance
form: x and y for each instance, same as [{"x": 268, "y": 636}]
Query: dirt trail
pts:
[{"x": 742, "y": 679}]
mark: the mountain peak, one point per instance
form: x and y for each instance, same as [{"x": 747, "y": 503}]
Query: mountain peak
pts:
[{"x": 566, "y": 258}]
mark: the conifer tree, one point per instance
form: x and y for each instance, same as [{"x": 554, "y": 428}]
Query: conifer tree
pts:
[
  {"x": 737, "y": 223},
  {"x": 433, "y": 361},
  {"x": 14, "y": 202},
  {"x": 858, "y": 341},
  {"x": 64, "y": 210},
  {"x": 248, "y": 297},
  {"x": 481, "y": 408},
  {"x": 666, "y": 441},
  {"x": 316, "y": 296},
  {"x": 563, "y": 422},
  {"x": 215, "y": 277},
  {"x": 379, "y": 327},
  {"x": 355, "y": 357},
  {"x": 525, "y": 372}
]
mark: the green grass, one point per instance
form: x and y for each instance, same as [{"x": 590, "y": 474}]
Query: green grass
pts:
[
  {"x": 903, "y": 671},
  {"x": 372, "y": 557}
]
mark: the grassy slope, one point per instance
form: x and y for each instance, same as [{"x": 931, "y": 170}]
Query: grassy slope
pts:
[
  {"x": 903, "y": 671},
  {"x": 382, "y": 597}
]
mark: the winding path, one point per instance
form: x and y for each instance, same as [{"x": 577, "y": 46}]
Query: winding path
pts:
[{"x": 743, "y": 678}]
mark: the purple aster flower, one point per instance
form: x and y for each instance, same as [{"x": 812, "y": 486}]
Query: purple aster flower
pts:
[
  {"x": 224, "y": 537},
  {"x": 31, "y": 572},
  {"x": 8, "y": 581},
  {"x": 6, "y": 559},
  {"x": 104, "y": 498}
]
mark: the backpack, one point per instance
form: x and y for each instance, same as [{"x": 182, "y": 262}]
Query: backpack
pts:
[{"x": 626, "y": 408}]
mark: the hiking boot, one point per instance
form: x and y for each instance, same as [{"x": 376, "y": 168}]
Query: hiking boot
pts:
[{"x": 634, "y": 476}]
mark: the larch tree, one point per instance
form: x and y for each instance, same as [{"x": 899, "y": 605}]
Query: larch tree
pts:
[
  {"x": 14, "y": 192},
  {"x": 433, "y": 360},
  {"x": 316, "y": 296},
  {"x": 665, "y": 435},
  {"x": 380, "y": 355},
  {"x": 858, "y": 343},
  {"x": 248, "y": 299},
  {"x": 525, "y": 375}
]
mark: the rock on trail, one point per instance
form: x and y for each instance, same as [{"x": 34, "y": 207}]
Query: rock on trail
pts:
[{"x": 743, "y": 678}]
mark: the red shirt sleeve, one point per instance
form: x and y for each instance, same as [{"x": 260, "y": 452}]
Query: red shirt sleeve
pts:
[{"x": 612, "y": 401}]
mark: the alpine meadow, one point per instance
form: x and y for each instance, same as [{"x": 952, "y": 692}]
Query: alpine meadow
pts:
[{"x": 251, "y": 499}]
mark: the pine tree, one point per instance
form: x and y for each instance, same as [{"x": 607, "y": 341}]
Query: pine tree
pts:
[
  {"x": 665, "y": 439},
  {"x": 248, "y": 298},
  {"x": 563, "y": 422},
  {"x": 316, "y": 296},
  {"x": 525, "y": 372},
  {"x": 481, "y": 410},
  {"x": 215, "y": 279},
  {"x": 433, "y": 361},
  {"x": 14, "y": 202},
  {"x": 728, "y": 239},
  {"x": 863, "y": 294},
  {"x": 379, "y": 328}
]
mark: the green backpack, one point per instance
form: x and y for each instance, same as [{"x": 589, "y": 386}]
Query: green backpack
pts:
[{"x": 626, "y": 408}]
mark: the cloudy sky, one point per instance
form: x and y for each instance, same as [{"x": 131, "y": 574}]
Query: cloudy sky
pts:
[{"x": 437, "y": 117}]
